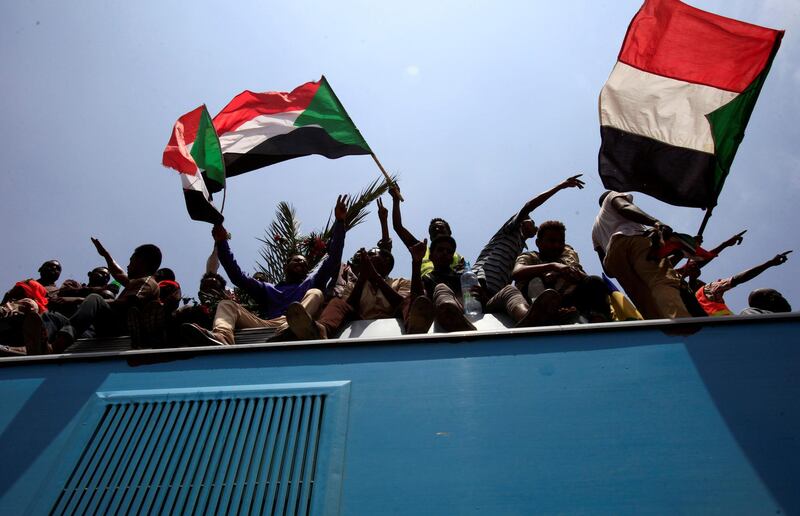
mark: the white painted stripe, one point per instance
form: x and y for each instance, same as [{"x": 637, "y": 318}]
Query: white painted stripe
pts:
[
  {"x": 254, "y": 132},
  {"x": 664, "y": 109}
]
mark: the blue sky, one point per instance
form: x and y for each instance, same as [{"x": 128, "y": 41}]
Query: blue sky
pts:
[{"x": 477, "y": 105}]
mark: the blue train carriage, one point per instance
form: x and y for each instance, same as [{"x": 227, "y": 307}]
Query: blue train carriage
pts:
[{"x": 647, "y": 417}]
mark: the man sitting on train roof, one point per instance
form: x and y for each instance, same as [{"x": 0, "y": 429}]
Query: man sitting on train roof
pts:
[
  {"x": 555, "y": 266},
  {"x": 98, "y": 316},
  {"x": 364, "y": 291},
  {"x": 437, "y": 227},
  {"x": 374, "y": 295},
  {"x": 274, "y": 299},
  {"x": 496, "y": 260},
  {"x": 71, "y": 294}
]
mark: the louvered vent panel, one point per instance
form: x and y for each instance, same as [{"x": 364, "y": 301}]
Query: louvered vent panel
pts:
[{"x": 245, "y": 455}]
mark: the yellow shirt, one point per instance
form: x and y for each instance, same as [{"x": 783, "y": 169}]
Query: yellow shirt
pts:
[{"x": 427, "y": 264}]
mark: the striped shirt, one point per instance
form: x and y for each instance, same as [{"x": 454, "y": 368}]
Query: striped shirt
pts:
[{"x": 496, "y": 261}]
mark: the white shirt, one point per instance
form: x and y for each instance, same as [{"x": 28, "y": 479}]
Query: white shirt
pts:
[{"x": 610, "y": 222}]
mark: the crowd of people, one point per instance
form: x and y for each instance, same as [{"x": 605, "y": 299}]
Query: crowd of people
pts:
[{"x": 541, "y": 287}]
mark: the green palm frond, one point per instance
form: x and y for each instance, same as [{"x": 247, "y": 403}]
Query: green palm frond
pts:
[
  {"x": 357, "y": 205},
  {"x": 283, "y": 239}
]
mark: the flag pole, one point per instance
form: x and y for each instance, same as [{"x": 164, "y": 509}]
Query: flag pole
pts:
[
  {"x": 385, "y": 174},
  {"x": 389, "y": 181},
  {"x": 709, "y": 211}
]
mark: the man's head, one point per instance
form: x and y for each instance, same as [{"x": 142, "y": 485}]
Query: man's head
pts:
[
  {"x": 382, "y": 260},
  {"x": 145, "y": 261},
  {"x": 603, "y": 196},
  {"x": 442, "y": 249},
  {"x": 438, "y": 227},
  {"x": 550, "y": 239},
  {"x": 99, "y": 277},
  {"x": 768, "y": 299},
  {"x": 49, "y": 272},
  {"x": 296, "y": 269},
  {"x": 165, "y": 274},
  {"x": 211, "y": 281},
  {"x": 528, "y": 228}
]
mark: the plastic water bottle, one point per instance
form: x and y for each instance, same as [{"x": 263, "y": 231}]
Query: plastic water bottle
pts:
[{"x": 469, "y": 280}]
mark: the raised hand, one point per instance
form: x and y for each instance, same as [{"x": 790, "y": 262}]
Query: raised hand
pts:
[
  {"x": 340, "y": 211},
  {"x": 394, "y": 191},
  {"x": 779, "y": 259},
  {"x": 418, "y": 251},
  {"x": 735, "y": 239},
  {"x": 383, "y": 213},
  {"x": 100, "y": 249},
  {"x": 572, "y": 182},
  {"x": 219, "y": 233}
]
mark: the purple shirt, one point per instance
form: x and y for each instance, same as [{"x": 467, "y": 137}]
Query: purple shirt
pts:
[{"x": 274, "y": 299}]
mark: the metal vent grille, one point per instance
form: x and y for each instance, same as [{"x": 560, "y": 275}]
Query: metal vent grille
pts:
[{"x": 241, "y": 455}]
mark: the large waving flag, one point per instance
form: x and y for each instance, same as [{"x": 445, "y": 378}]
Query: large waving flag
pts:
[
  {"x": 260, "y": 129},
  {"x": 676, "y": 105},
  {"x": 194, "y": 147}
]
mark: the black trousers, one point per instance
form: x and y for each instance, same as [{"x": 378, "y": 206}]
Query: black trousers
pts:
[{"x": 95, "y": 318}]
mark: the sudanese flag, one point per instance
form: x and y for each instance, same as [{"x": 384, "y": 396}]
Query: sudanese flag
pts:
[{"x": 677, "y": 103}]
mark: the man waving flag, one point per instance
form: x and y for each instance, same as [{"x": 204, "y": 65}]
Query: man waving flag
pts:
[{"x": 676, "y": 105}]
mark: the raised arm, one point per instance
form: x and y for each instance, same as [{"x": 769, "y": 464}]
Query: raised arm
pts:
[
  {"x": 734, "y": 240},
  {"x": 417, "y": 254},
  {"x": 232, "y": 269},
  {"x": 330, "y": 264},
  {"x": 635, "y": 214},
  {"x": 114, "y": 269},
  {"x": 749, "y": 274},
  {"x": 212, "y": 263},
  {"x": 383, "y": 216},
  {"x": 397, "y": 219},
  {"x": 570, "y": 182}
]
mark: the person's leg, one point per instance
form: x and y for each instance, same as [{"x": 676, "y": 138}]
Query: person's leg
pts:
[
  {"x": 93, "y": 310},
  {"x": 312, "y": 301},
  {"x": 300, "y": 316},
  {"x": 661, "y": 280},
  {"x": 231, "y": 316},
  {"x": 508, "y": 300},
  {"x": 622, "y": 254},
  {"x": 449, "y": 310},
  {"x": 542, "y": 311},
  {"x": 418, "y": 313},
  {"x": 535, "y": 287}
]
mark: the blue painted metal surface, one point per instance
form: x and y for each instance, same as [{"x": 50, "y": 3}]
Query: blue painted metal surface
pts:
[{"x": 626, "y": 419}]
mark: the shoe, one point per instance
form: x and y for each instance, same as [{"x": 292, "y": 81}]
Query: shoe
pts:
[
  {"x": 134, "y": 323},
  {"x": 200, "y": 336},
  {"x": 452, "y": 318},
  {"x": 543, "y": 310},
  {"x": 34, "y": 334},
  {"x": 420, "y": 316},
  {"x": 302, "y": 325},
  {"x": 61, "y": 342}
]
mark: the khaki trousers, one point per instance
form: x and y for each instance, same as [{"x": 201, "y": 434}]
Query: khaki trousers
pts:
[
  {"x": 653, "y": 286},
  {"x": 231, "y": 316}
]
